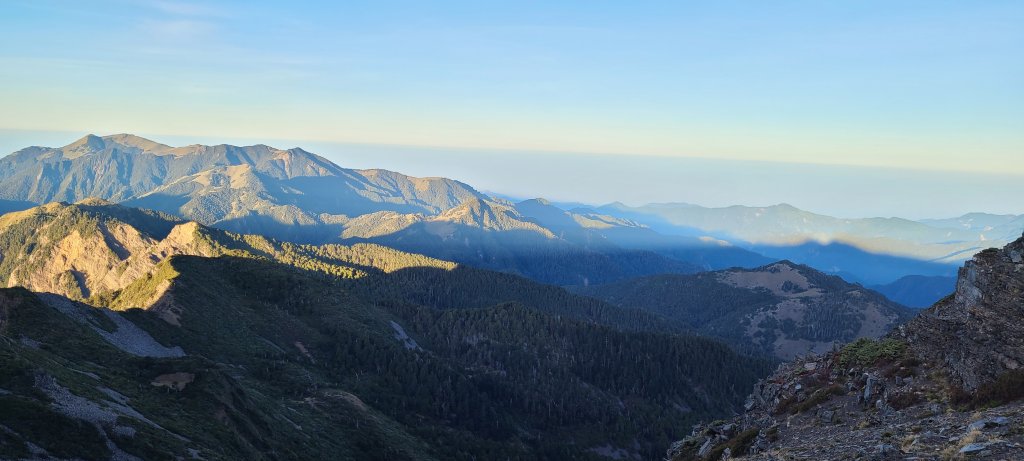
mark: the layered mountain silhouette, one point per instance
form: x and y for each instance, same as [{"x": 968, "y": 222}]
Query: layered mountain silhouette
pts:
[
  {"x": 919, "y": 258},
  {"x": 917, "y": 290},
  {"x": 937, "y": 240},
  {"x": 298, "y": 196},
  {"x": 224, "y": 302}
]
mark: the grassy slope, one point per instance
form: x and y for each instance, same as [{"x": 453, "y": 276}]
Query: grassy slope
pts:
[
  {"x": 295, "y": 357},
  {"x": 504, "y": 381}
]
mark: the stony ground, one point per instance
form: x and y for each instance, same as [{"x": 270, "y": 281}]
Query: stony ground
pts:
[
  {"x": 948, "y": 385},
  {"x": 843, "y": 430},
  {"x": 815, "y": 409}
]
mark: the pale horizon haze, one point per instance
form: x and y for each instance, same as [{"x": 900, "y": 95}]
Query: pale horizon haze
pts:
[{"x": 909, "y": 108}]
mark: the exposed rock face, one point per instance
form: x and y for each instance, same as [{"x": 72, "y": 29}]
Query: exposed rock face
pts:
[
  {"x": 884, "y": 400},
  {"x": 832, "y": 412},
  {"x": 115, "y": 255},
  {"x": 72, "y": 251},
  {"x": 978, "y": 333}
]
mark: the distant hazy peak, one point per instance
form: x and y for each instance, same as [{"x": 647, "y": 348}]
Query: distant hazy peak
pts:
[
  {"x": 92, "y": 143},
  {"x": 131, "y": 140},
  {"x": 474, "y": 206},
  {"x": 88, "y": 141},
  {"x": 783, "y": 263},
  {"x": 489, "y": 215}
]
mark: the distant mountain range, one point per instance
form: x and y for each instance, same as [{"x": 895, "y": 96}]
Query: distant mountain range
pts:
[
  {"x": 782, "y": 309},
  {"x": 918, "y": 290},
  {"x": 869, "y": 250},
  {"x": 298, "y": 196},
  {"x": 224, "y": 302}
]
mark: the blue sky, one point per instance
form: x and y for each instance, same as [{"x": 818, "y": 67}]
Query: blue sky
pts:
[{"x": 923, "y": 86}]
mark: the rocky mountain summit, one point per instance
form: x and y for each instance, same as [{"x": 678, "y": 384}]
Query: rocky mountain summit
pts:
[{"x": 946, "y": 385}]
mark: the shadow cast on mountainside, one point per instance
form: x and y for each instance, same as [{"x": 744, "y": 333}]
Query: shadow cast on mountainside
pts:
[
  {"x": 469, "y": 288},
  {"x": 112, "y": 326},
  {"x": 339, "y": 195},
  {"x": 527, "y": 253},
  {"x": 846, "y": 260},
  {"x": 258, "y": 224},
  {"x": 857, "y": 265},
  {"x": 701, "y": 251},
  {"x": 704, "y": 253},
  {"x": 918, "y": 291},
  {"x": 160, "y": 201},
  {"x": 661, "y": 224},
  {"x": 9, "y": 206},
  {"x": 139, "y": 218}
]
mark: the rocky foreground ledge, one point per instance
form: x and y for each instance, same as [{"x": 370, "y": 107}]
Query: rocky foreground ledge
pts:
[{"x": 946, "y": 386}]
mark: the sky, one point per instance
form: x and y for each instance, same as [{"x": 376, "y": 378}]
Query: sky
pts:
[{"x": 620, "y": 97}]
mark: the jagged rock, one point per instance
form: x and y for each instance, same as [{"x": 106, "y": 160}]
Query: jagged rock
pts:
[
  {"x": 706, "y": 447},
  {"x": 974, "y": 447},
  {"x": 977, "y": 334},
  {"x": 988, "y": 423},
  {"x": 870, "y": 388},
  {"x": 882, "y": 406},
  {"x": 885, "y": 449}
]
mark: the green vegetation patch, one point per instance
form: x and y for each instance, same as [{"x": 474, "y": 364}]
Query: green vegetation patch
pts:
[
  {"x": 865, "y": 352},
  {"x": 818, "y": 397},
  {"x": 737, "y": 445}
]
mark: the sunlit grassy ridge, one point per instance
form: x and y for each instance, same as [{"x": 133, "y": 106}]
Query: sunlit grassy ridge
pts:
[{"x": 297, "y": 352}]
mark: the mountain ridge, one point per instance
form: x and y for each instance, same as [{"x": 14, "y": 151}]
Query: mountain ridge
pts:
[
  {"x": 302, "y": 197},
  {"x": 782, "y": 309},
  {"x": 259, "y": 349}
]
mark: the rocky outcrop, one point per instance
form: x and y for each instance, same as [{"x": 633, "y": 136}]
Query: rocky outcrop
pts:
[
  {"x": 118, "y": 256},
  {"x": 818, "y": 409},
  {"x": 978, "y": 333},
  {"x": 74, "y": 251},
  {"x": 914, "y": 394}
]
